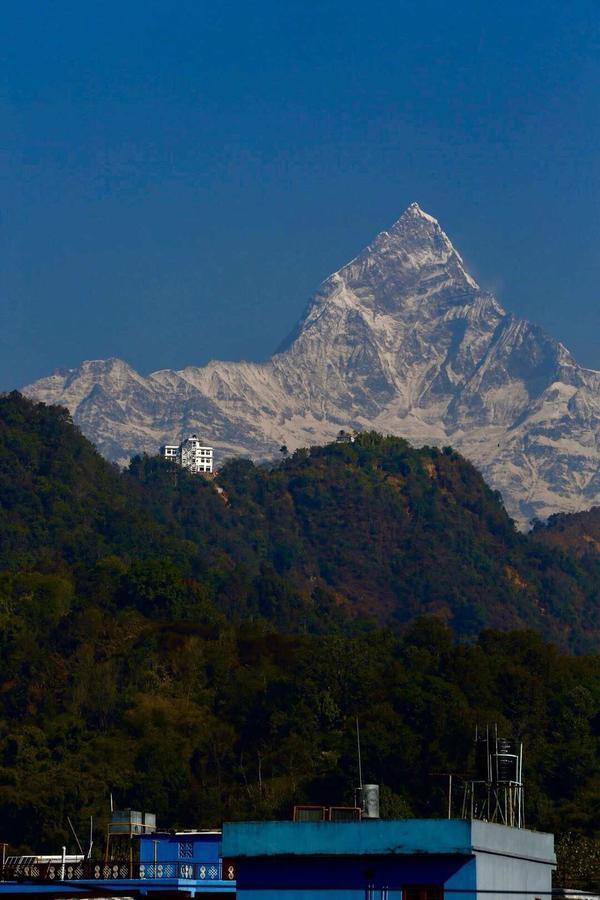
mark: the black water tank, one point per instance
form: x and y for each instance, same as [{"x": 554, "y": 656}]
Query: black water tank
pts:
[{"x": 507, "y": 760}]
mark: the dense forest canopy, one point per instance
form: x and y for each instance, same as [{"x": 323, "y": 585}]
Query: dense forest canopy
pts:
[{"x": 201, "y": 648}]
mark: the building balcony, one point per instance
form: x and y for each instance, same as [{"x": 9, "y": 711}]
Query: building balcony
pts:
[{"x": 176, "y": 875}]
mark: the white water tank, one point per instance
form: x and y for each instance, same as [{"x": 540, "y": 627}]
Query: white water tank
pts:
[{"x": 370, "y": 801}]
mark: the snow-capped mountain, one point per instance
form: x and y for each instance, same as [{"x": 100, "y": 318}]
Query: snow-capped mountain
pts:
[{"x": 401, "y": 339}]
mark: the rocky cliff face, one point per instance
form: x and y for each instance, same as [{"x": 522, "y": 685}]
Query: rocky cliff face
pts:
[{"x": 401, "y": 339}]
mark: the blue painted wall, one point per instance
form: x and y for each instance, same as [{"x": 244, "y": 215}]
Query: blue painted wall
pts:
[
  {"x": 310, "y": 860},
  {"x": 376, "y": 859},
  {"x": 205, "y": 847},
  {"x": 377, "y": 836},
  {"x": 350, "y": 877}
]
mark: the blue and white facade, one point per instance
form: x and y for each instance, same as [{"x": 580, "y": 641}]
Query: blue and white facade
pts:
[
  {"x": 195, "y": 855},
  {"x": 186, "y": 864}
]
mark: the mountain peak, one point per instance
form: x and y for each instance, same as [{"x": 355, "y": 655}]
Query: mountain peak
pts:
[
  {"x": 414, "y": 211},
  {"x": 417, "y": 223},
  {"x": 401, "y": 339},
  {"x": 414, "y": 255}
]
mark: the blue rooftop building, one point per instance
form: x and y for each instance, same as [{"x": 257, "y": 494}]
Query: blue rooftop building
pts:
[
  {"x": 183, "y": 864},
  {"x": 193, "y": 855},
  {"x": 412, "y": 859}
]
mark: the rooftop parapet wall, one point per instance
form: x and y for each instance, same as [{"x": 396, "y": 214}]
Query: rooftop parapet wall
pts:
[
  {"x": 384, "y": 838},
  {"x": 488, "y": 837}
]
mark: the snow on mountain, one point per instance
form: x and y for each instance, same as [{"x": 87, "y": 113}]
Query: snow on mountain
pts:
[{"x": 401, "y": 339}]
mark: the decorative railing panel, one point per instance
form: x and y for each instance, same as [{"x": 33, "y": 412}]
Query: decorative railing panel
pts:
[{"x": 111, "y": 871}]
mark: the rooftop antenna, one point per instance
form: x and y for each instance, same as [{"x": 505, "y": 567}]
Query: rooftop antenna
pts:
[
  {"x": 495, "y": 792},
  {"x": 360, "y": 779},
  {"x": 91, "y": 844},
  {"x": 368, "y": 793},
  {"x": 75, "y": 836}
]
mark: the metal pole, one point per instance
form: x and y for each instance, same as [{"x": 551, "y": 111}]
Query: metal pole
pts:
[
  {"x": 521, "y": 802},
  {"x": 155, "y": 857},
  {"x": 72, "y": 827},
  {"x": 450, "y": 796},
  {"x": 62, "y": 865},
  {"x": 360, "y": 780}
]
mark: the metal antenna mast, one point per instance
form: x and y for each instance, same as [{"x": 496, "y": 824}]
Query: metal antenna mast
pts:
[
  {"x": 495, "y": 794},
  {"x": 360, "y": 779},
  {"x": 75, "y": 836}
]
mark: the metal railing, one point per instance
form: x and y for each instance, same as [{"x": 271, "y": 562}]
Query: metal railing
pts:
[{"x": 114, "y": 871}]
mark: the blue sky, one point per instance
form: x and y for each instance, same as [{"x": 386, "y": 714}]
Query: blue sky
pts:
[{"x": 178, "y": 177}]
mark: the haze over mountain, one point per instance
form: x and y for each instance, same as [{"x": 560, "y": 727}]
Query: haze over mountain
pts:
[{"x": 401, "y": 339}]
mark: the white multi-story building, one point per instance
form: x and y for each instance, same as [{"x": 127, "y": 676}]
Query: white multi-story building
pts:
[
  {"x": 191, "y": 454},
  {"x": 170, "y": 451}
]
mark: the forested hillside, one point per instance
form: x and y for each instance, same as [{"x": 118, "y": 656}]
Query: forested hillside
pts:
[
  {"x": 578, "y": 533},
  {"x": 201, "y": 648},
  {"x": 330, "y": 537}
]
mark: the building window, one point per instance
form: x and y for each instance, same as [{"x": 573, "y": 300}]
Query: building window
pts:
[
  {"x": 185, "y": 850},
  {"x": 423, "y": 892}
]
